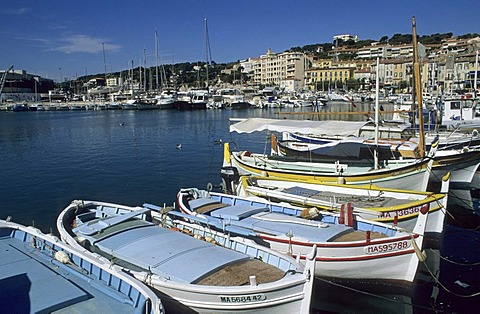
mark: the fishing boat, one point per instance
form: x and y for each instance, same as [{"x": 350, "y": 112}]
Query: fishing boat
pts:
[
  {"x": 40, "y": 274},
  {"x": 348, "y": 247},
  {"x": 190, "y": 275},
  {"x": 405, "y": 175},
  {"x": 461, "y": 162},
  {"x": 397, "y": 207},
  {"x": 410, "y": 174},
  {"x": 350, "y": 148}
]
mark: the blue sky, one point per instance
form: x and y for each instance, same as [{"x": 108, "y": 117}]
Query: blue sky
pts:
[{"x": 67, "y": 38}]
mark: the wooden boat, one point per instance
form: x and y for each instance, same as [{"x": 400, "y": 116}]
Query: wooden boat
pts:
[
  {"x": 458, "y": 138},
  {"x": 40, "y": 274},
  {"x": 189, "y": 274},
  {"x": 348, "y": 247},
  {"x": 461, "y": 162},
  {"x": 351, "y": 149},
  {"x": 398, "y": 207},
  {"x": 411, "y": 175}
]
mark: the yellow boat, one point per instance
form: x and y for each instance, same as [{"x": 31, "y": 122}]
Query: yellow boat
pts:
[{"x": 393, "y": 206}]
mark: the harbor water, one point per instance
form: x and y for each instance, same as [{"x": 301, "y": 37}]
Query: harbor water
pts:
[{"x": 132, "y": 157}]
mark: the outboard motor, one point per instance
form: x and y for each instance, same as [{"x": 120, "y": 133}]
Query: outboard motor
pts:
[{"x": 230, "y": 179}]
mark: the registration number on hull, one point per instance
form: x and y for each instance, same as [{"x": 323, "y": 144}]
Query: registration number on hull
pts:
[
  {"x": 387, "y": 247},
  {"x": 243, "y": 298}
]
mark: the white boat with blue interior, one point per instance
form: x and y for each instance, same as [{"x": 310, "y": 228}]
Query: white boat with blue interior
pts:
[
  {"x": 190, "y": 275},
  {"x": 40, "y": 274},
  {"x": 348, "y": 247}
]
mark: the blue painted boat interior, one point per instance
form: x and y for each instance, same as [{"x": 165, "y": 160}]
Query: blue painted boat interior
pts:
[
  {"x": 262, "y": 220},
  {"x": 332, "y": 220},
  {"x": 32, "y": 281},
  {"x": 163, "y": 252}
]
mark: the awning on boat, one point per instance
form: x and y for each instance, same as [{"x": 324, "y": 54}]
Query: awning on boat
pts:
[{"x": 325, "y": 128}]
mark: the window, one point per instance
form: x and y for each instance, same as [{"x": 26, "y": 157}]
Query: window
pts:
[{"x": 455, "y": 105}]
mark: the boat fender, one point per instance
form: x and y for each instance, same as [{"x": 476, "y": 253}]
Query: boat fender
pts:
[
  {"x": 209, "y": 186},
  {"x": 62, "y": 257},
  {"x": 210, "y": 240},
  {"x": 475, "y": 133},
  {"x": 310, "y": 213}
]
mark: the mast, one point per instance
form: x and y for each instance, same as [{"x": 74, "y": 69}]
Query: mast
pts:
[
  {"x": 145, "y": 69},
  {"x": 156, "y": 60},
  {"x": 104, "y": 63},
  {"x": 207, "y": 49},
  {"x": 140, "y": 74},
  {"x": 475, "y": 76},
  {"x": 418, "y": 90},
  {"x": 377, "y": 93}
]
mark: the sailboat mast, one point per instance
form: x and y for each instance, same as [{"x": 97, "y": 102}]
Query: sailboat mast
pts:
[
  {"x": 207, "y": 48},
  {"x": 475, "y": 76},
  {"x": 418, "y": 89},
  {"x": 377, "y": 93},
  {"x": 156, "y": 60},
  {"x": 144, "y": 69},
  {"x": 104, "y": 62}
]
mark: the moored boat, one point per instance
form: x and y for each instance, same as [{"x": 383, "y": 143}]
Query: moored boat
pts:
[
  {"x": 392, "y": 206},
  {"x": 461, "y": 162},
  {"x": 188, "y": 274},
  {"x": 40, "y": 274},
  {"x": 411, "y": 175},
  {"x": 348, "y": 247}
]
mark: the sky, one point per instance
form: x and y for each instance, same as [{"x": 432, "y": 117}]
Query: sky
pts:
[{"x": 62, "y": 40}]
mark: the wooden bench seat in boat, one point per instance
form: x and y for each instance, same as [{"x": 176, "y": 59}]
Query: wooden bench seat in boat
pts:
[
  {"x": 203, "y": 205},
  {"x": 99, "y": 225}
]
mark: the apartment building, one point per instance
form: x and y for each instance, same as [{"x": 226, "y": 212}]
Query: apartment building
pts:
[
  {"x": 286, "y": 69},
  {"x": 328, "y": 72},
  {"x": 449, "y": 66}
]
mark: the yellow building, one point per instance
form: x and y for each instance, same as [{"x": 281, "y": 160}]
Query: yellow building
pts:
[{"x": 327, "y": 71}]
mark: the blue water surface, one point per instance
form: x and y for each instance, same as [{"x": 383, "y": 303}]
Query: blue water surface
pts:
[{"x": 130, "y": 157}]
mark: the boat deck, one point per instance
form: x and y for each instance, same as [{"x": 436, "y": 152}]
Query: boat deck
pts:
[
  {"x": 260, "y": 220},
  {"x": 32, "y": 283},
  {"x": 341, "y": 198},
  {"x": 173, "y": 255}
]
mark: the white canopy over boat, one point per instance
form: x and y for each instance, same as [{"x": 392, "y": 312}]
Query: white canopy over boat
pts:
[{"x": 325, "y": 128}]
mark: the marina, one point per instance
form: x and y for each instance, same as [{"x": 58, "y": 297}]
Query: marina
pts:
[
  {"x": 282, "y": 221},
  {"x": 338, "y": 176},
  {"x": 134, "y": 157}
]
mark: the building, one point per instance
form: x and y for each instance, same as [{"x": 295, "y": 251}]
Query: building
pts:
[
  {"x": 285, "y": 70},
  {"x": 375, "y": 50},
  {"x": 327, "y": 72},
  {"x": 21, "y": 86},
  {"x": 345, "y": 37}
]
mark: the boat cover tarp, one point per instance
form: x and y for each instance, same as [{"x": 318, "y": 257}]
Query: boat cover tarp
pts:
[
  {"x": 343, "y": 149},
  {"x": 325, "y": 128}
]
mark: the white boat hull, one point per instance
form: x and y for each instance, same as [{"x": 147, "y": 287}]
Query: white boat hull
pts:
[{"x": 290, "y": 294}]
